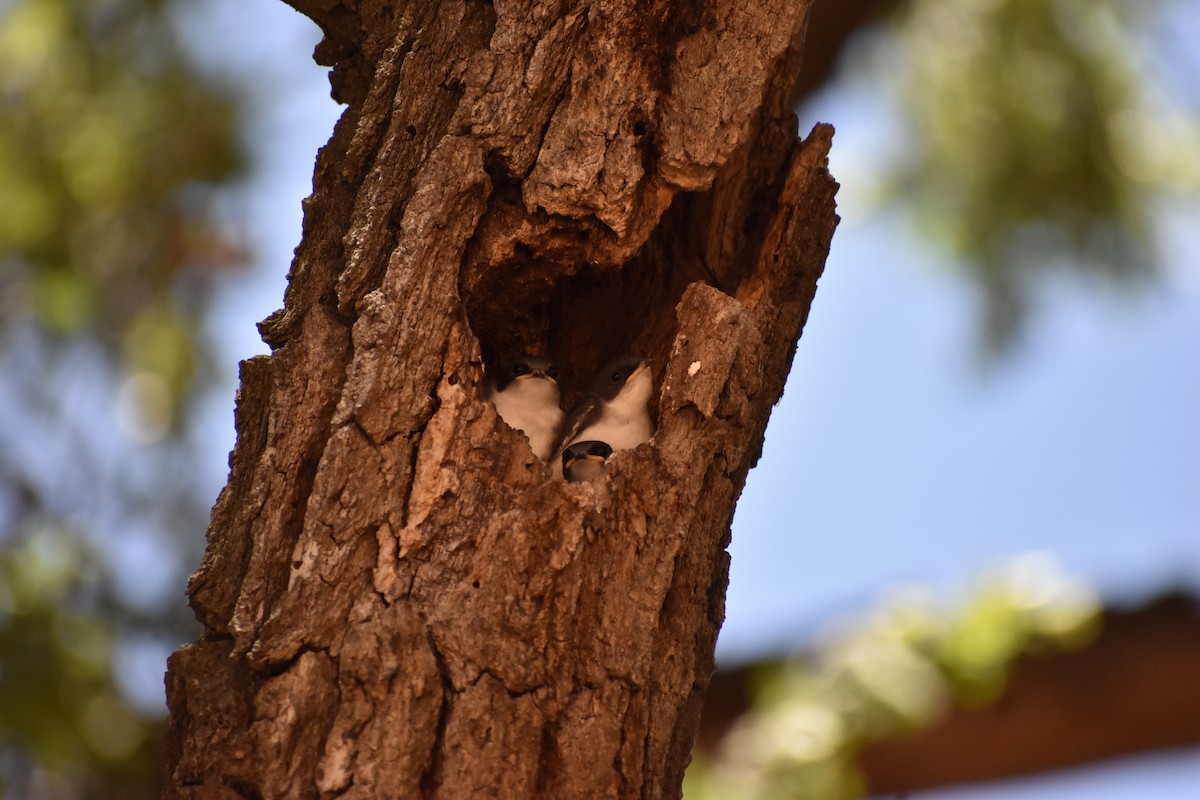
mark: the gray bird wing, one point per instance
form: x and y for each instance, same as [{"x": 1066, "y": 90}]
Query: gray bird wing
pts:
[{"x": 585, "y": 412}]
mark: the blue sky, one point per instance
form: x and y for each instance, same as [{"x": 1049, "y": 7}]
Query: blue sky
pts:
[
  {"x": 899, "y": 459},
  {"x": 892, "y": 457}
]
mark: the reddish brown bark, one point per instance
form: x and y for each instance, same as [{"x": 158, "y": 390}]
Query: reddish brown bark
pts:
[{"x": 399, "y": 601}]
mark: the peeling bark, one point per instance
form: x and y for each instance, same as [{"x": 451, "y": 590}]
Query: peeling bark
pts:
[{"x": 399, "y": 600}]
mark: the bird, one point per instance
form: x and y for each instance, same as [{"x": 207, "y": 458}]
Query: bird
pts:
[
  {"x": 584, "y": 460},
  {"x": 526, "y": 397},
  {"x": 614, "y": 411}
]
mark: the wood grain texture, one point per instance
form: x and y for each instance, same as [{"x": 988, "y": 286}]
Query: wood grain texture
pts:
[{"x": 399, "y": 600}]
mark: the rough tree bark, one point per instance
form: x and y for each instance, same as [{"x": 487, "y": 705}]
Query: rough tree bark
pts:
[{"x": 399, "y": 600}]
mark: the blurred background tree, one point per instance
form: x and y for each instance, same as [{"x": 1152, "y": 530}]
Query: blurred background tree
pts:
[
  {"x": 1044, "y": 139},
  {"x": 113, "y": 149},
  {"x": 893, "y": 672},
  {"x": 1041, "y": 139}
]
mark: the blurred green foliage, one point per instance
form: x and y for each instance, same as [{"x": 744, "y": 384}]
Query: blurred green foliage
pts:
[
  {"x": 114, "y": 149},
  {"x": 896, "y": 670},
  {"x": 1042, "y": 135},
  {"x": 111, "y": 146},
  {"x": 60, "y": 716}
]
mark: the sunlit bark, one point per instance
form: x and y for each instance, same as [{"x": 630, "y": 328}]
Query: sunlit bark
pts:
[{"x": 399, "y": 599}]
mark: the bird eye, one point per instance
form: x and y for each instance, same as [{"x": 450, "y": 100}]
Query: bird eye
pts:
[
  {"x": 617, "y": 377},
  {"x": 520, "y": 369}
]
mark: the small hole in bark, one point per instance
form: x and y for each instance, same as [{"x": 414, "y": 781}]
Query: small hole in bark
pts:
[
  {"x": 475, "y": 584},
  {"x": 495, "y": 167},
  {"x": 411, "y": 130},
  {"x": 638, "y": 122},
  {"x": 243, "y": 789}
]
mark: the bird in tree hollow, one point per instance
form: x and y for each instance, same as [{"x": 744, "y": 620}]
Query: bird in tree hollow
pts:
[
  {"x": 583, "y": 461},
  {"x": 527, "y": 398},
  {"x": 615, "y": 411}
]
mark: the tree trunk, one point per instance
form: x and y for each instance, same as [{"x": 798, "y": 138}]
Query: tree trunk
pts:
[{"x": 399, "y": 600}]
